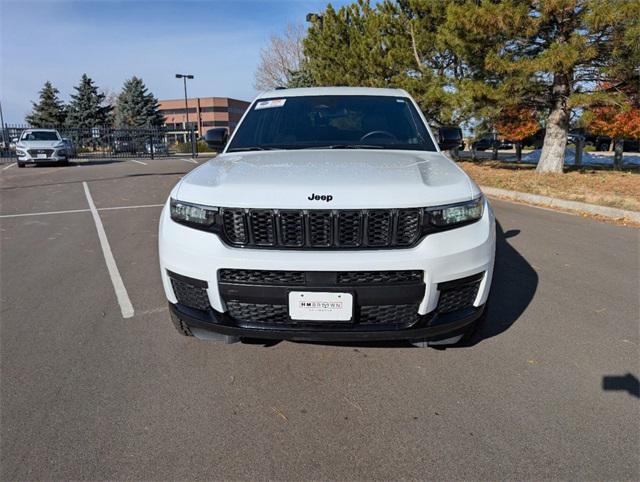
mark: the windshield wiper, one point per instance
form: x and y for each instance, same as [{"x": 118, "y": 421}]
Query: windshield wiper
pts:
[
  {"x": 253, "y": 148},
  {"x": 348, "y": 146}
]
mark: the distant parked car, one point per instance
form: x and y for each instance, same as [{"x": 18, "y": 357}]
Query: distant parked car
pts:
[
  {"x": 159, "y": 148},
  {"x": 488, "y": 142},
  {"x": 41, "y": 145},
  {"x": 601, "y": 143},
  {"x": 71, "y": 148}
]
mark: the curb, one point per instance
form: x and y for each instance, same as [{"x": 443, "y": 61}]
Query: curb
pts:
[{"x": 563, "y": 204}]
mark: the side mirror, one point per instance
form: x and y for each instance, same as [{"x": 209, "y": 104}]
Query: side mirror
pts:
[
  {"x": 14, "y": 140},
  {"x": 216, "y": 138},
  {"x": 449, "y": 137}
]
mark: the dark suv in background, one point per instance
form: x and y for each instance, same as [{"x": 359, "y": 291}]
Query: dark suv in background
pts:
[
  {"x": 601, "y": 143},
  {"x": 487, "y": 142}
]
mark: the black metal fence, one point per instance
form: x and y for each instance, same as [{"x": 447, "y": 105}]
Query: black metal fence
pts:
[{"x": 106, "y": 142}]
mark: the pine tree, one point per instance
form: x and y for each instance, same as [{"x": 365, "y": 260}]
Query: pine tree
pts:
[
  {"x": 301, "y": 77},
  {"x": 345, "y": 47},
  {"x": 87, "y": 107},
  {"x": 49, "y": 111},
  {"x": 136, "y": 106},
  {"x": 394, "y": 44},
  {"x": 547, "y": 55}
]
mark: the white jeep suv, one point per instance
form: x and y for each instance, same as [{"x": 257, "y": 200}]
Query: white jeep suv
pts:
[
  {"x": 41, "y": 145},
  {"x": 330, "y": 215}
]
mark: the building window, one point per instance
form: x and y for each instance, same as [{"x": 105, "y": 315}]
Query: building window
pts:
[
  {"x": 192, "y": 110},
  {"x": 214, "y": 109}
]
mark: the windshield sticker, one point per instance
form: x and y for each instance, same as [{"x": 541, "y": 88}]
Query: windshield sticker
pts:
[{"x": 268, "y": 104}]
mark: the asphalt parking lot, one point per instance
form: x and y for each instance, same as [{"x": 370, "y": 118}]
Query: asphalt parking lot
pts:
[{"x": 89, "y": 390}]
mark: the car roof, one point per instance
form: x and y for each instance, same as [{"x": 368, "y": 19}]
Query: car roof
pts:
[
  {"x": 313, "y": 91},
  {"x": 40, "y": 130}
]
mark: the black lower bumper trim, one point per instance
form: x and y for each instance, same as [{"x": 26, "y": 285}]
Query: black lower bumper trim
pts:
[{"x": 434, "y": 327}]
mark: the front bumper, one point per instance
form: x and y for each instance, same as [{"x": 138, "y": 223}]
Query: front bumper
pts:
[
  {"x": 431, "y": 327},
  {"x": 57, "y": 155},
  {"x": 443, "y": 258}
]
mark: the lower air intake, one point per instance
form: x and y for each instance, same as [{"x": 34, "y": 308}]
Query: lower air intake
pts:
[{"x": 190, "y": 292}]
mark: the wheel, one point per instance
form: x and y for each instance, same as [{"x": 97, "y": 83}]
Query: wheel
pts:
[
  {"x": 21, "y": 164},
  {"x": 182, "y": 328}
]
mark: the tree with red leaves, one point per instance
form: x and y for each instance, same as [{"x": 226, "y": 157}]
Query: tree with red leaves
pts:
[
  {"x": 516, "y": 123},
  {"x": 620, "y": 119}
]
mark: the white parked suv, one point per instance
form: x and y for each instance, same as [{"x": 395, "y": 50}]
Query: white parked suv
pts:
[
  {"x": 330, "y": 215},
  {"x": 41, "y": 145}
]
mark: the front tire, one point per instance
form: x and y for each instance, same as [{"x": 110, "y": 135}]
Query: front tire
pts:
[{"x": 21, "y": 164}]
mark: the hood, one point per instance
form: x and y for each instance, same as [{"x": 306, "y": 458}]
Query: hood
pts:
[
  {"x": 39, "y": 144},
  {"x": 345, "y": 179}
]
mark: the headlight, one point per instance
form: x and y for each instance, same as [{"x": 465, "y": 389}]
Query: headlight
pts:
[
  {"x": 194, "y": 215},
  {"x": 20, "y": 152},
  {"x": 60, "y": 145},
  {"x": 455, "y": 214}
]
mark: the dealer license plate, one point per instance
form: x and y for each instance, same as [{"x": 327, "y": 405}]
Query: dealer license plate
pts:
[
  {"x": 42, "y": 156},
  {"x": 312, "y": 306}
]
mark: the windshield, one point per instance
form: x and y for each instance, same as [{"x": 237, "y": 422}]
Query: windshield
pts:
[
  {"x": 332, "y": 121},
  {"x": 40, "y": 136}
]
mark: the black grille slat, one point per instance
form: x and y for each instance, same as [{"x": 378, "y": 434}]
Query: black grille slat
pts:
[
  {"x": 272, "y": 314},
  {"x": 264, "y": 277},
  {"x": 258, "y": 313},
  {"x": 190, "y": 295},
  {"x": 320, "y": 228},
  {"x": 379, "y": 228},
  {"x": 379, "y": 277},
  {"x": 235, "y": 228},
  {"x": 262, "y": 227},
  {"x": 291, "y": 225},
  {"x": 458, "y": 297},
  {"x": 299, "y": 278},
  {"x": 35, "y": 152},
  {"x": 408, "y": 226},
  {"x": 388, "y": 315},
  {"x": 349, "y": 228}
]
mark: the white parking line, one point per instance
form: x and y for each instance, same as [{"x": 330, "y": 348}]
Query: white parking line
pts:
[
  {"x": 10, "y": 165},
  {"x": 188, "y": 160},
  {"x": 44, "y": 213},
  {"x": 121, "y": 292},
  {"x": 140, "y": 206},
  {"x": 139, "y": 162},
  {"x": 132, "y": 207}
]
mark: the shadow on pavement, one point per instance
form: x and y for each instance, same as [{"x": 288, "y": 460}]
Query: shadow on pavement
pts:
[
  {"x": 514, "y": 285},
  {"x": 627, "y": 383}
]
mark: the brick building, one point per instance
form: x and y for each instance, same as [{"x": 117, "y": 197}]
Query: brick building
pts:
[{"x": 204, "y": 114}]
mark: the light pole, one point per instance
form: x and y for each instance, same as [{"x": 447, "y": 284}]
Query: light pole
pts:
[
  {"x": 4, "y": 141},
  {"x": 184, "y": 78}
]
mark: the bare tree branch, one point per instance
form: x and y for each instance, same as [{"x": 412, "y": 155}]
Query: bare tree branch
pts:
[{"x": 280, "y": 58}]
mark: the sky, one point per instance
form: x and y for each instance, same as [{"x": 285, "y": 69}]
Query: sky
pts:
[{"x": 218, "y": 41}]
